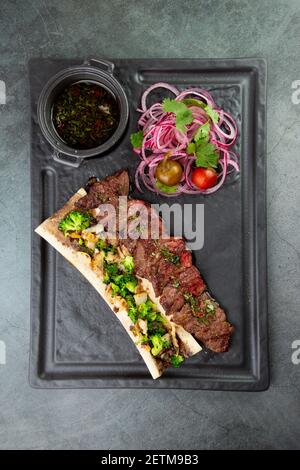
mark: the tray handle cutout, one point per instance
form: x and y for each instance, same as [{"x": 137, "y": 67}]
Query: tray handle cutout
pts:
[
  {"x": 69, "y": 160},
  {"x": 105, "y": 65}
]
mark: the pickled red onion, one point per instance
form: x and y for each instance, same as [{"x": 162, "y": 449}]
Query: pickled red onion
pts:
[{"x": 160, "y": 136}]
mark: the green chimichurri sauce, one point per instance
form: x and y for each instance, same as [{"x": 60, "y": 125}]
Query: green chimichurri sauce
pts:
[{"x": 85, "y": 115}]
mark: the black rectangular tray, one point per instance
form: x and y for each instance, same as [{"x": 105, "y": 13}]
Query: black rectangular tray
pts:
[{"x": 75, "y": 340}]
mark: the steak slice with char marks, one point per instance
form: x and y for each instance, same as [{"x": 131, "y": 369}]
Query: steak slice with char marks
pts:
[
  {"x": 186, "y": 259},
  {"x": 172, "y": 299},
  {"x": 153, "y": 263},
  {"x": 145, "y": 264},
  {"x": 176, "y": 245},
  {"x": 167, "y": 272},
  {"x": 107, "y": 190},
  {"x": 215, "y": 335},
  {"x": 191, "y": 281}
]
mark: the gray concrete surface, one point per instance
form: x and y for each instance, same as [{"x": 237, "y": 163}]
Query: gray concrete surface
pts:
[{"x": 128, "y": 419}]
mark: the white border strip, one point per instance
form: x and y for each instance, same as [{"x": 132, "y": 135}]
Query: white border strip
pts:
[
  {"x": 2, "y": 353},
  {"x": 2, "y": 92}
]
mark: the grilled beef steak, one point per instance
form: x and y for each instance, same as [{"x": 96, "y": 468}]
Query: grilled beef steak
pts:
[
  {"x": 107, "y": 190},
  {"x": 167, "y": 264}
]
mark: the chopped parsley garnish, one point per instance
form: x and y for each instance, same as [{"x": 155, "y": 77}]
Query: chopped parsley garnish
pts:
[
  {"x": 209, "y": 307},
  {"x": 85, "y": 115},
  {"x": 192, "y": 301},
  {"x": 176, "y": 284},
  {"x": 209, "y": 311},
  {"x": 203, "y": 320},
  {"x": 169, "y": 256}
]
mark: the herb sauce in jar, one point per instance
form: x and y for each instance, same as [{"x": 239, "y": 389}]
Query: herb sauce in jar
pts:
[{"x": 85, "y": 115}]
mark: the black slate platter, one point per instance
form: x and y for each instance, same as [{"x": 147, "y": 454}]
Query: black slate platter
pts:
[{"x": 75, "y": 339}]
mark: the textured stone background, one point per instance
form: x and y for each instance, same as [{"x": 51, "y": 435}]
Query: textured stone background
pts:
[{"x": 128, "y": 419}]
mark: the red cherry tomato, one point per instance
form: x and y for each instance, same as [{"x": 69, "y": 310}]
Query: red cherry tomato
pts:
[{"x": 204, "y": 178}]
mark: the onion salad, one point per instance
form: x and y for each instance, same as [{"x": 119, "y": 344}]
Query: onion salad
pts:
[{"x": 189, "y": 129}]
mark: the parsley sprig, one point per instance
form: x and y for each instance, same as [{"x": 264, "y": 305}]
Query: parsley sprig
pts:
[
  {"x": 164, "y": 188},
  {"x": 205, "y": 152},
  {"x": 169, "y": 256},
  {"x": 182, "y": 112},
  {"x": 136, "y": 139}
]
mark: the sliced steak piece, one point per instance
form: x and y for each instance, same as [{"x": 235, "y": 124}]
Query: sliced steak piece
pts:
[
  {"x": 142, "y": 262},
  {"x": 214, "y": 334},
  {"x": 145, "y": 264},
  {"x": 191, "y": 281},
  {"x": 167, "y": 272},
  {"x": 130, "y": 244},
  {"x": 143, "y": 217},
  {"x": 219, "y": 313},
  {"x": 218, "y": 336},
  {"x": 105, "y": 191},
  {"x": 183, "y": 315},
  {"x": 153, "y": 261},
  {"x": 172, "y": 299},
  {"x": 186, "y": 259},
  {"x": 173, "y": 244},
  {"x": 171, "y": 258}
]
